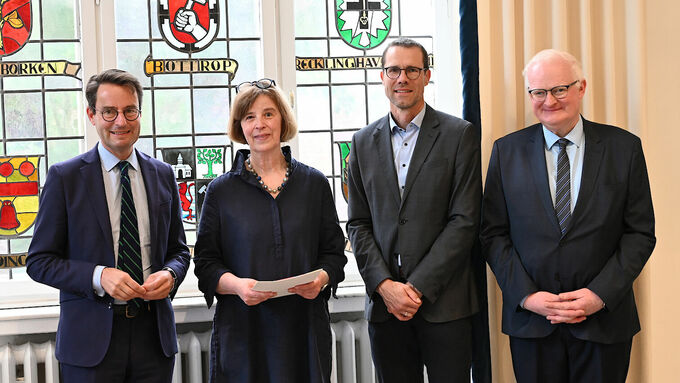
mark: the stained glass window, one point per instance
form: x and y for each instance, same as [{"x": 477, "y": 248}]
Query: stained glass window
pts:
[
  {"x": 185, "y": 115},
  {"x": 42, "y": 116},
  {"x": 346, "y": 94}
]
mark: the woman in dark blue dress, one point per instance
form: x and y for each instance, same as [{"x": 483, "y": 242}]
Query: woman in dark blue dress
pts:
[{"x": 270, "y": 217}]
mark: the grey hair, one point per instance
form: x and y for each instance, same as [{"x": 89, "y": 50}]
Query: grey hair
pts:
[{"x": 576, "y": 68}]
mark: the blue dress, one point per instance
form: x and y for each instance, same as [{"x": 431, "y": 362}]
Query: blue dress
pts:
[{"x": 245, "y": 231}]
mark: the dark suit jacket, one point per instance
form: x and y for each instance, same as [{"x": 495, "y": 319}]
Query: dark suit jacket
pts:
[
  {"x": 433, "y": 226},
  {"x": 73, "y": 234},
  {"x": 608, "y": 241}
]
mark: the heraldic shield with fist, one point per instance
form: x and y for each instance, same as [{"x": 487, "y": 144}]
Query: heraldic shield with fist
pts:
[{"x": 188, "y": 25}]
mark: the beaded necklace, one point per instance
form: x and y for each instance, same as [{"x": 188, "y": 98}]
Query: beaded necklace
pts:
[{"x": 268, "y": 189}]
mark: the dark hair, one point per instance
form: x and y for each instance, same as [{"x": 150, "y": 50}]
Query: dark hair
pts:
[
  {"x": 111, "y": 76},
  {"x": 244, "y": 100},
  {"x": 407, "y": 43}
]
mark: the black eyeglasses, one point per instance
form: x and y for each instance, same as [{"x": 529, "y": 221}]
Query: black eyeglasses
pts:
[
  {"x": 558, "y": 92},
  {"x": 264, "y": 83},
  {"x": 394, "y": 72},
  {"x": 110, "y": 114}
]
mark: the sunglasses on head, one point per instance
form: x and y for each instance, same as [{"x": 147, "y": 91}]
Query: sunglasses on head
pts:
[{"x": 262, "y": 84}]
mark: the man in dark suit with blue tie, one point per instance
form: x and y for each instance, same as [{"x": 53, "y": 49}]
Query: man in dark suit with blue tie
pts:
[
  {"x": 414, "y": 203},
  {"x": 567, "y": 226},
  {"x": 109, "y": 236}
]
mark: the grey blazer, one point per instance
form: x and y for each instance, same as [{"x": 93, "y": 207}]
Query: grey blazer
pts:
[{"x": 433, "y": 226}]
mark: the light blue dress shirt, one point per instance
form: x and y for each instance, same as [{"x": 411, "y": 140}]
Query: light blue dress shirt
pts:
[
  {"x": 575, "y": 150},
  {"x": 111, "y": 175},
  {"x": 403, "y": 145}
]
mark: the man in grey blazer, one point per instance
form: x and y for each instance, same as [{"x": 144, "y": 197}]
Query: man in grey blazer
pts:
[{"x": 414, "y": 205}]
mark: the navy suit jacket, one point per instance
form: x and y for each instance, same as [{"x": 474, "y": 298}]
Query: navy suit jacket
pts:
[
  {"x": 433, "y": 226},
  {"x": 73, "y": 235},
  {"x": 607, "y": 242}
]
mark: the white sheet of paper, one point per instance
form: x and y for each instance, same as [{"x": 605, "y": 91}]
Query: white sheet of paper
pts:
[{"x": 281, "y": 286}]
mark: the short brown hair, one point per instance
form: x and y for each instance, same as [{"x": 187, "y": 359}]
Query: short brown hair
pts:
[
  {"x": 112, "y": 76},
  {"x": 405, "y": 42},
  {"x": 245, "y": 99}
]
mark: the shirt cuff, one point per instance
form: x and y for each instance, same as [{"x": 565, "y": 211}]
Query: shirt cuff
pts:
[
  {"x": 521, "y": 304},
  {"x": 97, "y": 280}
]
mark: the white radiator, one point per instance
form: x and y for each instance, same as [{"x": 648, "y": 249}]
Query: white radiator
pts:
[
  {"x": 28, "y": 363},
  {"x": 351, "y": 353},
  {"x": 35, "y": 363}
]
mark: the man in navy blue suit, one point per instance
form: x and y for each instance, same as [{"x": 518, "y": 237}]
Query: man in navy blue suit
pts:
[
  {"x": 116, "y": 322},
  {"x": 567, "y": 226}
]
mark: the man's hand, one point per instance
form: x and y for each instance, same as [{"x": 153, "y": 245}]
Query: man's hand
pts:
[
  {"x": 553, "y": 308},
  {"x": 401, "y": 300},
  {"x": 582, "y": 300},
  {"x": 311, "y": 290},
  {"x": 120, "y": 285},
  {"x": 158, "y": 285},
  {"x": 409, "y": 284}
]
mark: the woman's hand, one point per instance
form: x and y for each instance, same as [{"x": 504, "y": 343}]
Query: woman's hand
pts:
[
  {"x": 243, "y": 287},
  {"x": 311, "y": 290},
  {"x": 248, "y": 295}
]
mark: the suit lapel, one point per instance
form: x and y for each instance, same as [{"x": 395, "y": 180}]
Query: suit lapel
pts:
[
  {"x": 535, "y": 151},
  {"x": 592, "y": 159},
  {"x": 92, "y": 171},
  {"x": 426, "y": 139},
  {"x": 383, "y": 144},
  {"x": 150, "y": 177}
]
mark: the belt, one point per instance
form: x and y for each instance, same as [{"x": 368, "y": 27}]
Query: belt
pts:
[{"x": 131, "y": 310}]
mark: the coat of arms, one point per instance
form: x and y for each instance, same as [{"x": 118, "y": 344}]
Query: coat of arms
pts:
[
  {"x": 344, "y": 147},
  {"x": 194, "y": 168},
  {"x": 15, "y": 25},
  {"x": 363, "y": 24},
  {"x": 188, "y": 26},
  {"x": 19, "y": 186}
]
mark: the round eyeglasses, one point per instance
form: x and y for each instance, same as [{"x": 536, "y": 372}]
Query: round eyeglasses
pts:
[
  {"x": 261, "y": 83},
  {"x": 394, "y": 72},
  {"x": 559, "y": 92},
  {"x": 110, "y": 114}
]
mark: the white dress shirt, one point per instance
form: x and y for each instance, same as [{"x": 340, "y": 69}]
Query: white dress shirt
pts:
[{"x": 576, "y": 148}]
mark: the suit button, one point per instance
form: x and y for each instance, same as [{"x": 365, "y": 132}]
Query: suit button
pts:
[
  {"x": 557, "y": 277},
  {"x": 402, "y": 221}
]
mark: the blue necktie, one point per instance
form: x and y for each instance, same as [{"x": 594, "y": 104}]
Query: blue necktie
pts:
[
  {"x": 129, "y": 250},
  {"x": 563, "y": 187}
]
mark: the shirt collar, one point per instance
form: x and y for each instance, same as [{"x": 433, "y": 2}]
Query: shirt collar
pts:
[
  {"x": 575, "y": 136},
  {"x": 110, "y": 161},
  {"x": 416, "y": 123}
]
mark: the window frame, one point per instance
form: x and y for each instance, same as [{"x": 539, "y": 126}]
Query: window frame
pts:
[{"x": 98, "y": 43}]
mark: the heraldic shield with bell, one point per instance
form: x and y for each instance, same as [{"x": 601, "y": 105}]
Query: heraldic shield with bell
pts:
[
  {"x": 363, "y": 24},
  {"x": 15, "y": 25},
  {"x": 19, "y": 186},
  {"x": 188, "y": 25}
]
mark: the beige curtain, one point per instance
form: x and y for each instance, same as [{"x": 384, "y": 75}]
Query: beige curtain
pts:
[{"x": 630, "y": 50}]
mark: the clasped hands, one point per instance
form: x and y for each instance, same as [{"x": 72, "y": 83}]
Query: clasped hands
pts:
[
  {"x": 402, "y": 299},
  {"x": 121, "y": 286},
  {"x": 570, "y": 307}
]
